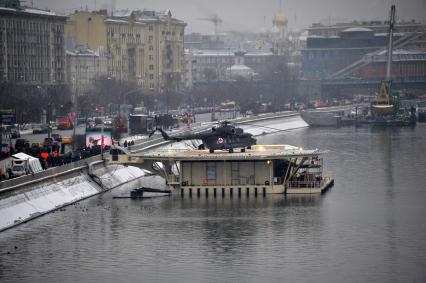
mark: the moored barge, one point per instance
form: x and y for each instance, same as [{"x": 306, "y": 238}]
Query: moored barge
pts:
[{"x": 261, "y": 170}]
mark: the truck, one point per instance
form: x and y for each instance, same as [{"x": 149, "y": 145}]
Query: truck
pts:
[
  {"x": 65, "y": 123},
  {"x": 23, "y": 164}
]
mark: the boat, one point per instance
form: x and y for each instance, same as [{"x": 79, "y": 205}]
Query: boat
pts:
[
  {"x": 322, "y": 118},
  {"x": 145, "y": 192}
]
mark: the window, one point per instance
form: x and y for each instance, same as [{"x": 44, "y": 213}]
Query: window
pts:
[
  {"x": 151, "y": 76},
  {"x": 151, "y": 57},
  {"x": 151, "y": 48},
  {"x": 151, "y": 67},
  {"x": 150, "y": 28}
]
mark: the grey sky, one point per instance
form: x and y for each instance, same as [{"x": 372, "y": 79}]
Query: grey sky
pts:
[{"x": 255, "y": 15}]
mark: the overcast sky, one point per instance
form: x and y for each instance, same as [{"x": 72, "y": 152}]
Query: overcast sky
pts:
[{"x": 255, "y": 15}]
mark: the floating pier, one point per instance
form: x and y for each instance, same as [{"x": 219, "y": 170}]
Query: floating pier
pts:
[{"x": 261, "y": 170}]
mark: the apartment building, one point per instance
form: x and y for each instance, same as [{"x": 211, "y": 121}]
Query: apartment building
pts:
[
  {"x": 142, "y": 46},
  {"x": 84, "y": 66},
  {"x": 32, "y": 45}
]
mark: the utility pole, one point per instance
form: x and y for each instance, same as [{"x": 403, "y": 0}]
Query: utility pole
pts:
[
  {"x": 102, "y": 136},
  {"x": 192, "y": 90},
  {"x": 75, "y": 116}
]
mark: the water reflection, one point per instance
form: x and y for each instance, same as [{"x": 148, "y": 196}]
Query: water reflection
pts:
[{"x": 369, "y": 227}]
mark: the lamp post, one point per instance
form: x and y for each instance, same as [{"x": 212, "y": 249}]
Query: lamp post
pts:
[
  {"x": 193, "y": 62},
  {"x": 75, "y": 116},
  {"x": 46, "y": 110}
]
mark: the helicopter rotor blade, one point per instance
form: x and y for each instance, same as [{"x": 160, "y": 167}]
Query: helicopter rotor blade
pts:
[{"x": 270, "y": 128}]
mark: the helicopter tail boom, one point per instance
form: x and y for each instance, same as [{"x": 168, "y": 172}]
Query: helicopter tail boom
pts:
[{"x": 164, "y": 134}]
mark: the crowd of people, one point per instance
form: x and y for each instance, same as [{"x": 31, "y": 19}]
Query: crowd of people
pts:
[{"x": 53, "y": 154}]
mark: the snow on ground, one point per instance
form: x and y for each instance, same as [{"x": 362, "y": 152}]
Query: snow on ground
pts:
[{"x": 50, "y": 195}]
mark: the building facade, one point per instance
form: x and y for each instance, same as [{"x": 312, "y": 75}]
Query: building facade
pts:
[
  {"x": 84, "y": 66},
  {"x": 165, "y": 56},
  {"x": 324, "y": 56},
  {"x": 406, "y": 65},
  {"x": 214, "y": 65},
  {"x": 142, "y": 46},
  {"x": 32, "y": 45},
  {"x": 318, "y": 29}
]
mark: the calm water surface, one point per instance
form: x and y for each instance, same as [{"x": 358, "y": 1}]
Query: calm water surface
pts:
[{"x": 370, "y": 227}]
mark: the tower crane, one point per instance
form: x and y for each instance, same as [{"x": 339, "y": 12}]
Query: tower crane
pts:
[{"x": 215, "y": 20}]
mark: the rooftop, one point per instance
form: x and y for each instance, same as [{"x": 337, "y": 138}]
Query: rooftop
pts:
[
  {"x": 28, "y": 11},
  {"x": 357, "y": 29},
  {"x": 223, "y": 52},
  {"x": 143, "y": 16},
  {"x": 257, "y": 152}
]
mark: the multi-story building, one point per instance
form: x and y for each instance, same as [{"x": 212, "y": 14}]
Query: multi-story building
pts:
[
  {"x": 323, "y": 56},
  {"x": 125, "y": 45},
  {"x": 142, "y": 46},
  {"x": 406, "y": 65},
  {"x": 212, "y": 65},
  {"x": 84, "y": 66},
  {"x": 32, "y": 45},
  {"x": 165, "y": 67}
]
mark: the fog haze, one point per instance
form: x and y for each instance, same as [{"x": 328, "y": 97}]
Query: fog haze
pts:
[{"x": 255, "y": 15}]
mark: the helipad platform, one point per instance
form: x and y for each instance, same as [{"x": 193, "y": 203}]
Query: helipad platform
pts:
[{"x": 257, "y": 152}]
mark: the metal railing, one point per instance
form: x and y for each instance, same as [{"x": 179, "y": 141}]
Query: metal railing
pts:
[{"x": 304, "y": 184}]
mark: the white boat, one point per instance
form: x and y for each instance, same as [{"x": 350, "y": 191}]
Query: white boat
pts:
[{"x": 322, "y": 118}]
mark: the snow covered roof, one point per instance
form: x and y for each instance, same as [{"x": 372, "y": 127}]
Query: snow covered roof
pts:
[
  {"x": 31, "y": 11},
  {"x": 223, "y": 52},
  {"x": 357, "y": 29},
  {"x": 112, "y": 20},
  {"x": 122, "y": 13},
  {"x": 40, "y": 12},
  {"x": 240, "y": 68}
]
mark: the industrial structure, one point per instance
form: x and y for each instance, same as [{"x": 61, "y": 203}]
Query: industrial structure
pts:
[{"x": 349, "y": 58}]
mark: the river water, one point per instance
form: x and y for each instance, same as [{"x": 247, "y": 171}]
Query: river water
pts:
[{"x": 369, "y": 227}]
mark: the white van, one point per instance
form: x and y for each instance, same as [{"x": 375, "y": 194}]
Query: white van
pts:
[{"x": 23, "y": 164}]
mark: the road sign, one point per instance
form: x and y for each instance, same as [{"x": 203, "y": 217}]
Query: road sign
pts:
[{"x": 7, "y": 116}]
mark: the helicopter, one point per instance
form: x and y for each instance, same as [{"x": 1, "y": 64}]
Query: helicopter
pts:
[{"x": 223, "y": 137}]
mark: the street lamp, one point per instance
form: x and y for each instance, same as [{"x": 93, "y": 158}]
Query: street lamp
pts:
[
  {"x": 75, "y": 116},
  {"x": 193, "y": 62}
]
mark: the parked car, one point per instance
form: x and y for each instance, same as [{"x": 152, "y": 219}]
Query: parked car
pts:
[
  {"x": 41, "y": 130},
  {"x": 108, "y": 122}
]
